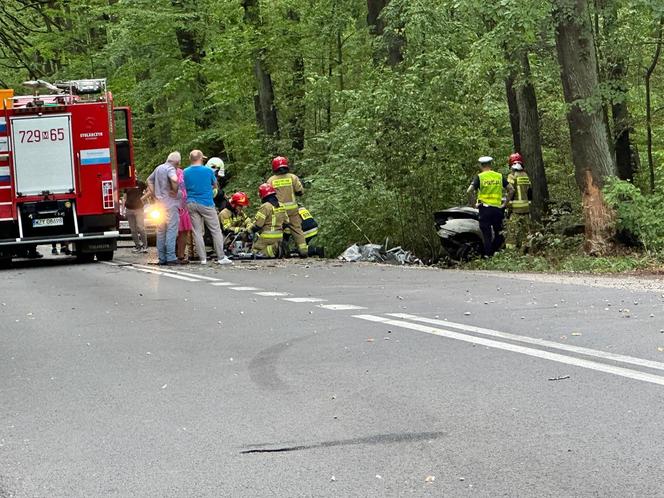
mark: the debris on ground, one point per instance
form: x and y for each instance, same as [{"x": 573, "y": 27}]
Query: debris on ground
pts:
[
  {"x": 562, "y": 377},
  {"x": 374, "y": 253},
  {"x": 430, "y": 479}
]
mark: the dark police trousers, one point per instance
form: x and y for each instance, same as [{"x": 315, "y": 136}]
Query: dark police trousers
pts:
[{"x": 491, "y": 224}]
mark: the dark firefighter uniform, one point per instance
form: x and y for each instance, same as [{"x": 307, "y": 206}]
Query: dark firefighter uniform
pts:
[
  {"x": 518, "y": 224},
  {"x": 269, "y": 223},
  {"x": 288, "y": 186}
]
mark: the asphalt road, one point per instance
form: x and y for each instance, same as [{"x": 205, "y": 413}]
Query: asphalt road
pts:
[{"x": 358, "y": 380}]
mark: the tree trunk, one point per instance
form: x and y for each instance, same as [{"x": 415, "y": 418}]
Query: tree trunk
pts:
[
  {"x": 266, "y": 111},
  {"x": 627, "y": 162},
  {"x": 649, "y": 72},
  {"x": 393, "y": 38},
  {"x": 531, "y": 140},
  {"x": 591, "y": 151},
  {"x": 626, "y": 157},
  {"x": 513, "y": 109}
]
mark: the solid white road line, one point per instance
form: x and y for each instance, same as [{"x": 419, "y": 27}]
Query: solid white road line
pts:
[
  {"x": 222, "y": 284},
  {"x": 537, "y": 353},
  {"x": 304, "y": 299},
  {"x": 340, "y": 307},
  {"x": 272, "y": 294},
  {"x": 192, "y": 275},
  {"x": 539, "y": 342},
  {"x": 245, "y": 288}
]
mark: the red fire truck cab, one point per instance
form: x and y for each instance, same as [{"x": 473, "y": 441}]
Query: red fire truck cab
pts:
[{"x": 64, "y": 157}]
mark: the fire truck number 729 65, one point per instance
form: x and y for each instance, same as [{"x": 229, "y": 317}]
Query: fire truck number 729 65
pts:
[{"x": 36, "y": 136}]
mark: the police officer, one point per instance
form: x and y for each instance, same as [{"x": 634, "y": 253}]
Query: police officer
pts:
[
  {"x": 486, "y": 192},
  {"x": 288, "y": 186},
  {"x": 269, "y": 223},
  {"x": 518, "y": 222}
]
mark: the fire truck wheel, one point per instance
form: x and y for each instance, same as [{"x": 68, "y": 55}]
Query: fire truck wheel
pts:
[{"x": 105, "y": 256}]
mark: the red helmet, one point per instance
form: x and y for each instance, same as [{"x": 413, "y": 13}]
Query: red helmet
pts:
[
  {"x": 279, "y": 162},
  {"x": 515, "y": 158},
  {"x": 266, "y": 189},
  {"x": 239, "y": 199}
]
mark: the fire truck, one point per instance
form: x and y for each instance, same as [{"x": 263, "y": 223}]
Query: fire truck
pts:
[{"x": 66, "y": 152}]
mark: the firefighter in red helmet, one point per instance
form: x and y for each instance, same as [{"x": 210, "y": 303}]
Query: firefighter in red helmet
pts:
[
  {"x": 518, "y": 221},
  {"x": 268, "y": 223},
  {"x": 288, "y": 186},
  {"x": 232, "y": 218}
]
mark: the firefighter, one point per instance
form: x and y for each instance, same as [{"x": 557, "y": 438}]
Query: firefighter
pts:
[
  {"x": 310, "y": 229},
  {"x": 288, "y": 186},
  {"x": 269, "y": 223},
  {"x": 486, "y": 192},
  {"x": 518, "y": 221},
  {"x": 234, "y": 221}
]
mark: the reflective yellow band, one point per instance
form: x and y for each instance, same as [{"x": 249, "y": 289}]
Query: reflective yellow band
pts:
[
  {"x": 289, "y": 206},
  {"x": 282, "y": 182},
  {"x": 260, "y": 215},
  {"x": 311, "y": 233},
  {"x": 272, "y": 235},
  {"x": 305, "y": 214}
]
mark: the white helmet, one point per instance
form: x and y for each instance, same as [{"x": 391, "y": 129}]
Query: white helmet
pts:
[
  {"x": 485, "y": 160},
  {"x": 216, "y": 163}
]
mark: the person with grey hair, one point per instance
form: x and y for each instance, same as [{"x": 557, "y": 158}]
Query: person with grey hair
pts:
[
  {"x": 200, "y": 182},
  {"x": 164, "y": 187}
]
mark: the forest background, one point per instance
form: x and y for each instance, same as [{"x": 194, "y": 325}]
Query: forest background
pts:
[{"x": 384, "y": 106}]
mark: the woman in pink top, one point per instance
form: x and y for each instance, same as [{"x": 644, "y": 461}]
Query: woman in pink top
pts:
[{"x": 185, "y": 227}]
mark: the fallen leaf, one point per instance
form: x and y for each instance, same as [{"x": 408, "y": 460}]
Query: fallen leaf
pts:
[
  {"x": 430, "y": 479},
  {"x": 370, "y": 339}
]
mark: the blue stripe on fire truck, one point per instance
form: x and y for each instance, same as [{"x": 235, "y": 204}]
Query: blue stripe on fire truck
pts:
[
  {"x": 95, "y": 156},
  {"x": 3, "y": 125},
  {"x": 4, "y": 174}
]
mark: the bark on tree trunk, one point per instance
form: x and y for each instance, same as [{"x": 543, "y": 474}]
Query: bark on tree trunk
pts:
[
  {"x": 394, "y": 40},
  {"x": 649, "y": 72},
  {"x": 591, "y": 151},
  {"x": 266, "y": 111},
  {"x": 531, "y": 141},
  {"x": 513, "y": 109}
]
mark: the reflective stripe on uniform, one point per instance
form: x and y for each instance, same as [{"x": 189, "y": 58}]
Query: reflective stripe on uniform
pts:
[
  {"x": 311, "y": 233},
  {"x": 260, "y": 215},
  {"x": 272, "y": 235}
]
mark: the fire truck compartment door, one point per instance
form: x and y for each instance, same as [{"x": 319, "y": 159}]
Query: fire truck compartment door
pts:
[{"x": 43, "y": 158}]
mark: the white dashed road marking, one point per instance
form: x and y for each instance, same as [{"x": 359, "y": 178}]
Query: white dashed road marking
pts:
[
  {"x": 538, "y": 342},
  {"x": 245, "y": 288},
  {"x": 340, "y": 307},
  {"x": 272, "y": 294},
  {"x": 222, "y": 284},
  {"x": 304, "y": 299},
  {"x": 537, "y": 353},
  {"x": 192, "y": 275},
  {"x": 164, "y": 274}
]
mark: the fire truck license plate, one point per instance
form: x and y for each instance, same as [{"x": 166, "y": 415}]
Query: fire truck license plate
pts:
[{"x": 48, "y": 222}]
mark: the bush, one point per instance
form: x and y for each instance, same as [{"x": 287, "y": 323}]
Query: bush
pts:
[{"x": 637, "y": 214}]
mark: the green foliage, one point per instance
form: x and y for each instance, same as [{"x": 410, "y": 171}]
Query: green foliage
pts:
[
  {"x": 637, "y": 214},
  {"x": 385, "y": 146}
]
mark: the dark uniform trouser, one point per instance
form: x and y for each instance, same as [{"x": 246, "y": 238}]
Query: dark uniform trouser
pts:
[{"x": 491, "y": 224}]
